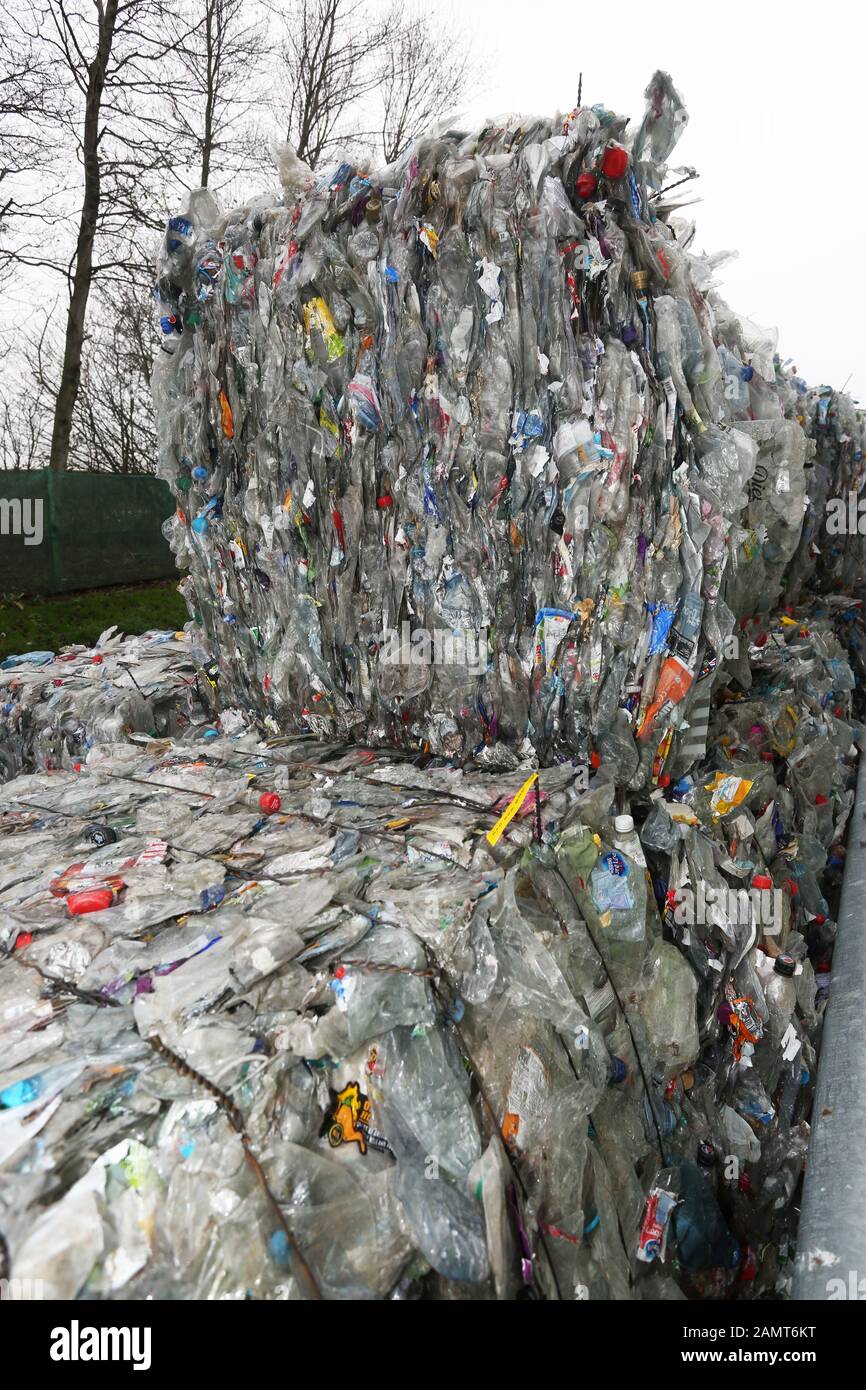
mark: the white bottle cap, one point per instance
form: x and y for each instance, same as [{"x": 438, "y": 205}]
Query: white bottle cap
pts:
[{"x": 623, "y": 824}]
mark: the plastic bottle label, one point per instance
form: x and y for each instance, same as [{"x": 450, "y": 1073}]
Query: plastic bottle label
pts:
[{"x": 611, "y": 884}]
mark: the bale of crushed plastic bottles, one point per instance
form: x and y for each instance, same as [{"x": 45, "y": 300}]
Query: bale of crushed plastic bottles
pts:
[
  {"x": 302, "y": 1019},
  {"x": 470, "y": 453},
  {"x": 54, "y": 707}
]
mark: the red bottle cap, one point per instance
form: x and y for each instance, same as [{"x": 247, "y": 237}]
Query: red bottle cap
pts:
[
  {"x": 386, "y": 500},
  {"x": 97, "y": 658},
  {"x": 270, "y": 803},
  {"x": 762, "y": 881},
  {"x": 614, "y": 162},
  {"x": 90, "y": 900},
  {"x": 586, "y": 185}
]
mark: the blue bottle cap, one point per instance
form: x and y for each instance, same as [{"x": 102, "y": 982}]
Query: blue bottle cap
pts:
[{"x": 619, "y": 1070}]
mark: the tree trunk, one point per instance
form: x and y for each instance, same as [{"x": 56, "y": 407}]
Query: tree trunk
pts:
[
  {"x": 70, "y": 379},
  {"x": 210, "y": 93}
]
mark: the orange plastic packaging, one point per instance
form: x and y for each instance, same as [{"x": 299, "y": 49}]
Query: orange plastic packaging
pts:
[{"x": 674, "y": 683}]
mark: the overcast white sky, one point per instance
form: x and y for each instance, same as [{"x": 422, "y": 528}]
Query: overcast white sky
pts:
[{"x": 776, "y": 95}]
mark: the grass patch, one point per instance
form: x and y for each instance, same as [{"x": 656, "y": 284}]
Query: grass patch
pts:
[{"x": 48, "y": 623}]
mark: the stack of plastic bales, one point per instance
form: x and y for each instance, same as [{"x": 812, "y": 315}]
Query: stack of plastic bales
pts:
[{"x": 472, "y": 461}]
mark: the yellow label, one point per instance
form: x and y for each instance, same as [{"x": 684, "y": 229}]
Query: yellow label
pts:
[
  {"x": 317, "y": 314},
  {"x": 514, "y": 805},
  {"x": 727, "y": 792},
  {"x": 430, "y": 238}
]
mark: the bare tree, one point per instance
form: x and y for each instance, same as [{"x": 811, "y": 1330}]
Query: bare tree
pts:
[
  {"x": 114, "y": 430},
  {"x": 145, "y": 99},
  {"x": 29, "y": 101},
  {"x": 91, "y": 77},
  {"x": 109, "y": 111},
  {"x": 357, "y": 76},
  {"x": 423, "y": 74},
  {"x": 329, "y": 58},
  {"x": 217, "y": 86},
  {"x": 111, "y": 55},
  {"x": 26, "y": 406}
]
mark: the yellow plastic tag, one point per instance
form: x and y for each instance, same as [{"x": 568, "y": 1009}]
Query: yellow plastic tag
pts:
[{"x": 514, "y": 805}]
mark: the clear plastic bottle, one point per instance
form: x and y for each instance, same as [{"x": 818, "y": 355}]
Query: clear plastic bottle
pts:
[
  {"x": 627, "y": 839},
  {"x": 780, "y": 992},
  {"x": 618, "y": 889}
]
